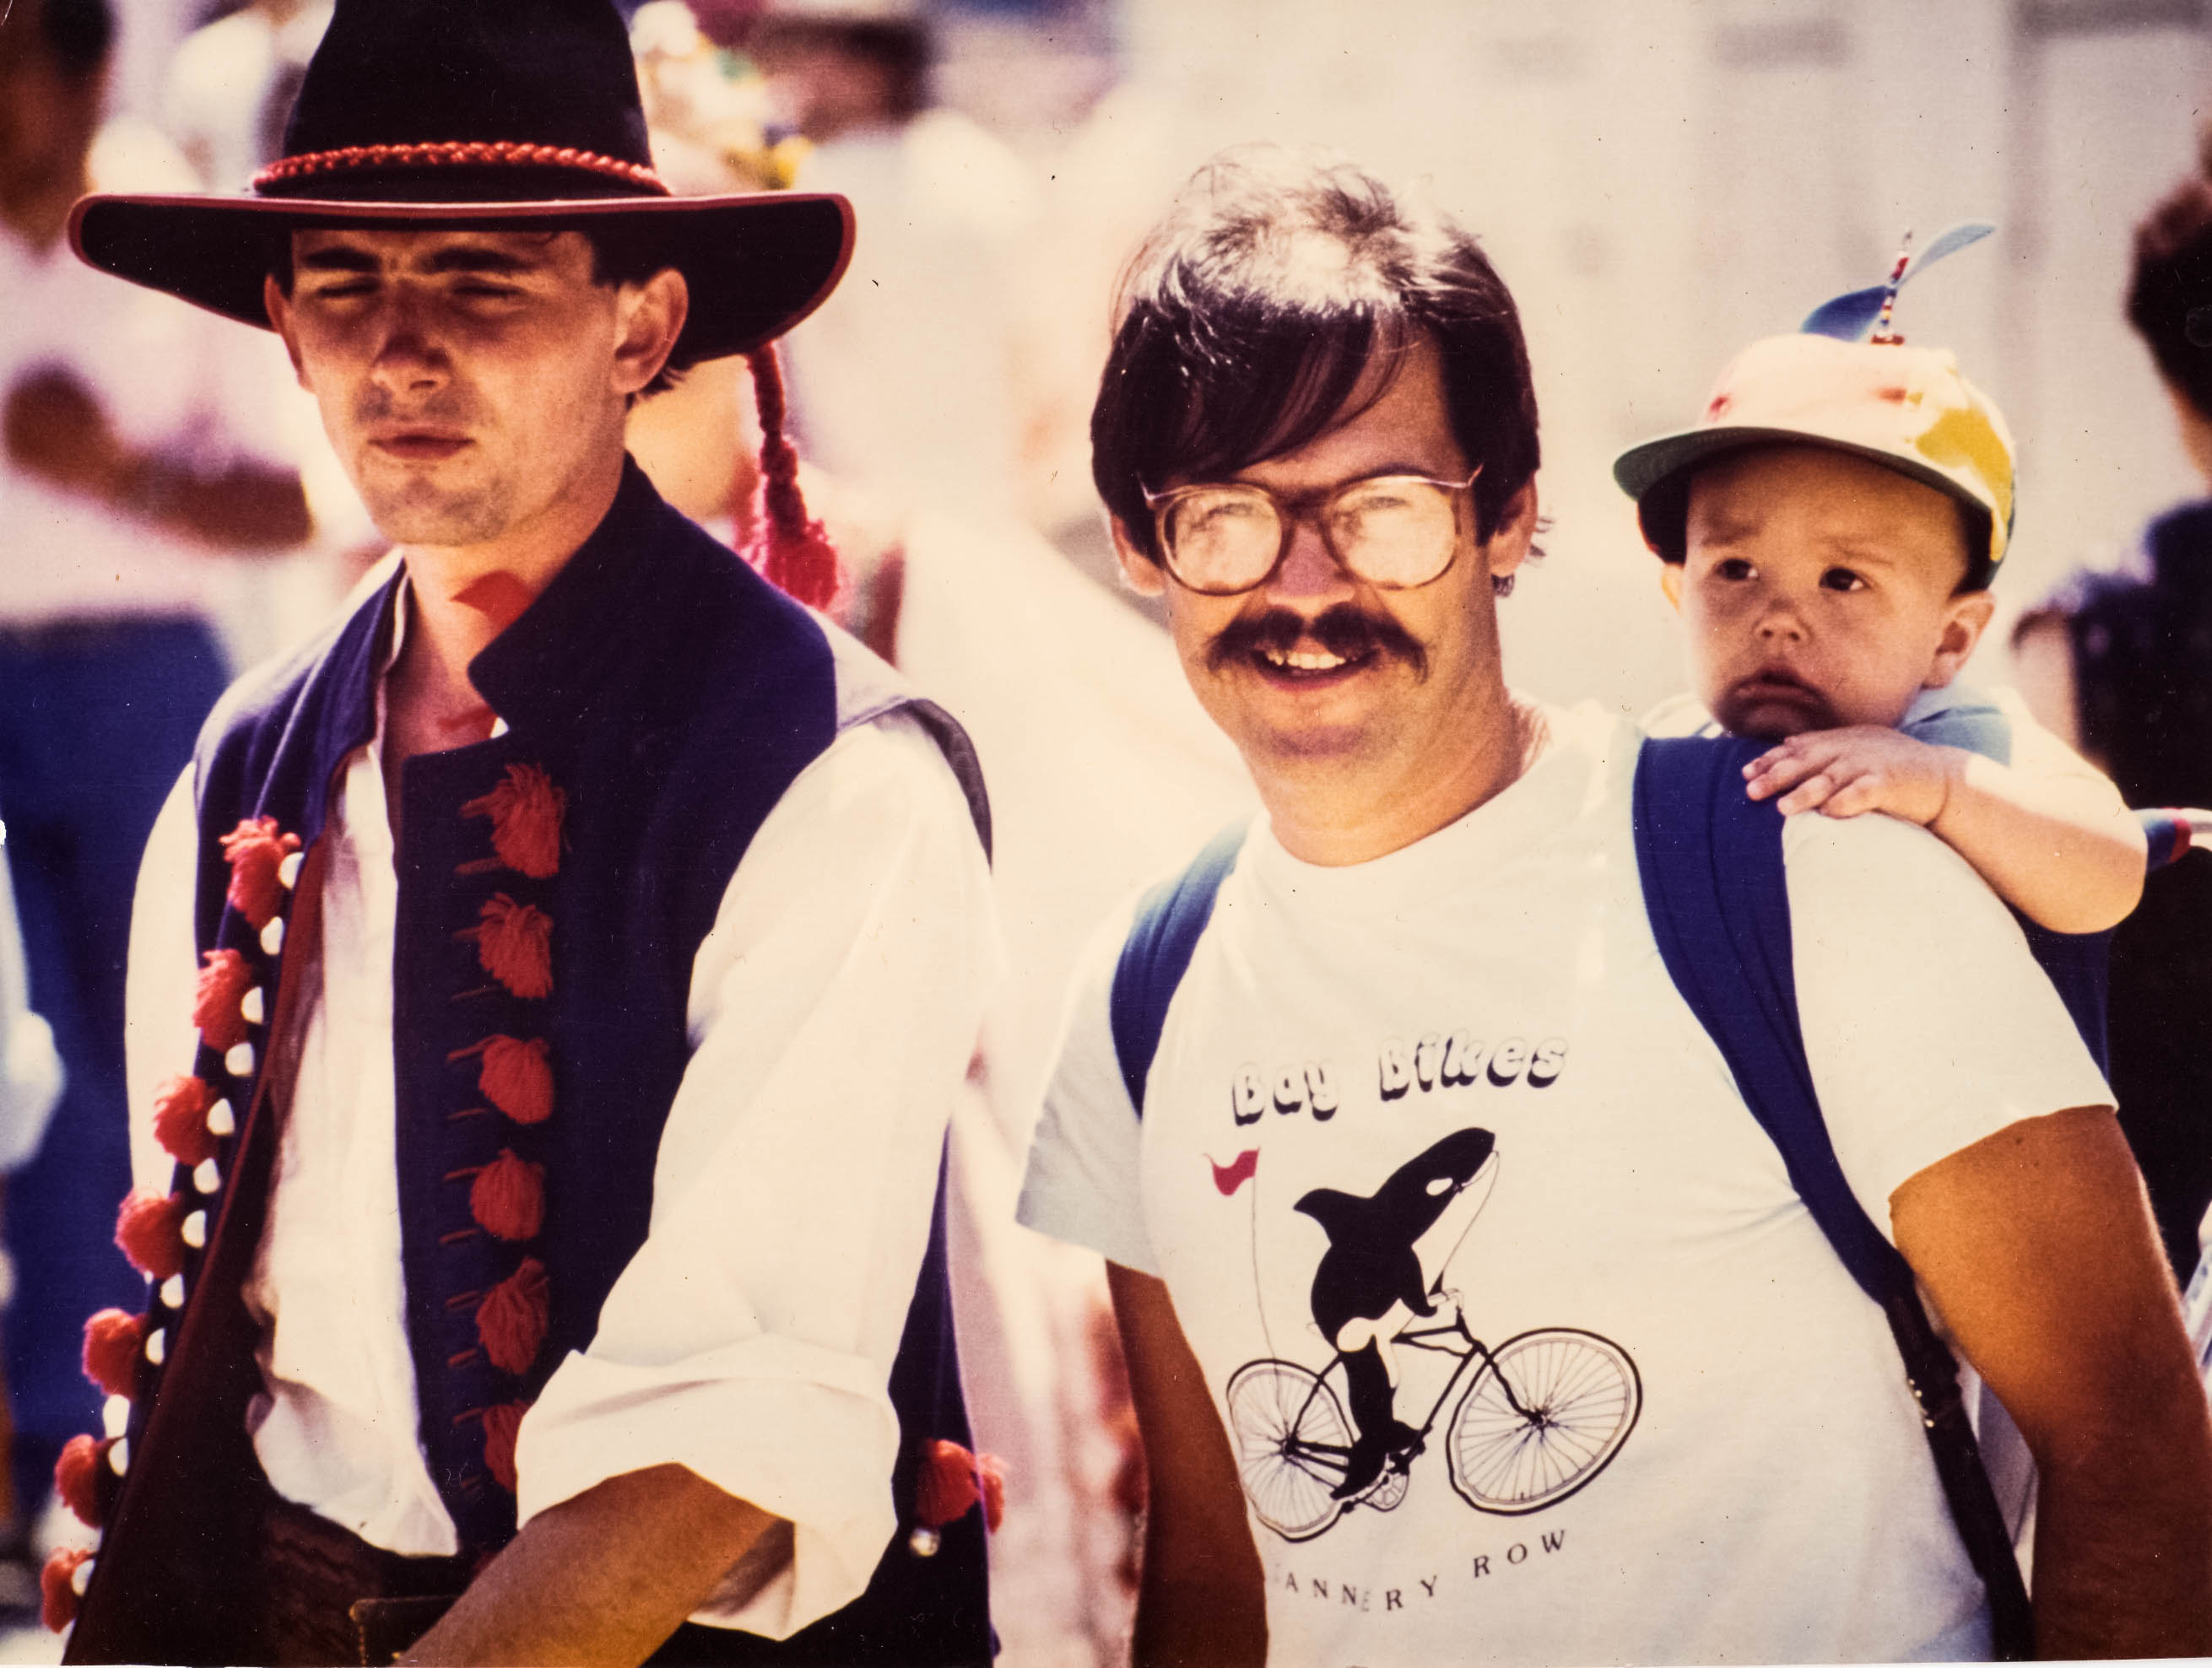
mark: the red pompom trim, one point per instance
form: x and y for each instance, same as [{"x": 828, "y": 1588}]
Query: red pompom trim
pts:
[
  {"x": 148, "y": 1230},
  {"x": 180, "y": 1110},
  {"x": 946, "y": 1486},
  {"x": 58, "y": 1599},
  {"x": 514, "y": 943},
  {"x": 525, "y": 811},
  {"x": 76, "y": 1476},
  {"x": 111, "y": 1342},
  {"x": 507, "y": 1197},
  {"x": 224, "y": 983},
  {"x": 515, "y": 1076},
  {"x": 502, "y": 1424},
  {"x": 255, "y": 851},
  {"x": 511, "y": 1319}
]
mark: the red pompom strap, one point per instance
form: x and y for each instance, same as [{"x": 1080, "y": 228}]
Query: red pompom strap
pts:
[
  {"x": 510, "y": 1321},
  {"x": 514, "y": 943},
  {"x": 515, "y": 1076},
  {"x": 57, "y": 1587},
  {"x": 501, "y": 1424},
  {"x": 180, "y": 1110},
  {"x": 256, "y": 853},
  {"x": 525, "y": 811},
  {"x": 223, "y": 982},
  {"x": 149, "y": 1232},
  {"x": 789, "y": 547},
  {"x": 111, "y": 1342},
  {"x": 507, "y": 1197}
]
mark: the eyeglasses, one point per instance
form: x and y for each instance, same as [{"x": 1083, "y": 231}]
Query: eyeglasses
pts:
[{"x": 1395, "y": 531}]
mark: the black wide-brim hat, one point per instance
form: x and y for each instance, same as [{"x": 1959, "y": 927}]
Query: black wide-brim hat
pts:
[{"x": 500, "y": 114}]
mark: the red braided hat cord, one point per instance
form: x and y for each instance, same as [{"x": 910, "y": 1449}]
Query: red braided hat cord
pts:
[
  {"x": 789, "y": 547},
  {"x": 459, "y": 153}
]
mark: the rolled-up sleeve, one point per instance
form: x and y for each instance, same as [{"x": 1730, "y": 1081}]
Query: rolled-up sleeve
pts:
[{"x": 833, "y": 1011}]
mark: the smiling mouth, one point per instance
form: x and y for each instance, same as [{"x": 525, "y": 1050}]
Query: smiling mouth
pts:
[{"x": 1306, "y": 663}]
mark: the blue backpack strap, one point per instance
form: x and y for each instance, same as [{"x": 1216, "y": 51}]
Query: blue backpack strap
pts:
[
  {"x": 1169, "y": 921},
  {"x": 1714, "y": 883}
]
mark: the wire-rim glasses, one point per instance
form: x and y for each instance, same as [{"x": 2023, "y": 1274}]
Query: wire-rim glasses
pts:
[{"x": 1394, "y": 531}]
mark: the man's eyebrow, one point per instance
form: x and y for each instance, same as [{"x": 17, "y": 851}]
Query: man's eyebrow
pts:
[
  {"x": 479, "y": 258},
  {"x": 338, "y": 257}
]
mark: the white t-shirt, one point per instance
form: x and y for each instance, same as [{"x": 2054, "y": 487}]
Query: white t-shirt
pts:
[{"x": 1467, "y": 1059}]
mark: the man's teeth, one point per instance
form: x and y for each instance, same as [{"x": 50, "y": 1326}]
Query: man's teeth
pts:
[{"x": 1303, "y": 660}]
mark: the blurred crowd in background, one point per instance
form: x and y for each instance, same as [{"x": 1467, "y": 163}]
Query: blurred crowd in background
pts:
[{"x": 1659, "y": 184}]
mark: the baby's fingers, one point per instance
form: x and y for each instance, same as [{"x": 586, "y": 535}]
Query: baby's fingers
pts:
[
  {"x": 1779, "y": 769},
  {"x": 1810, "y": 794}
]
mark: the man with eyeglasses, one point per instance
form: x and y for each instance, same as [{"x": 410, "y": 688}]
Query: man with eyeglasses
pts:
[{"x": 1470, "y": 1314}]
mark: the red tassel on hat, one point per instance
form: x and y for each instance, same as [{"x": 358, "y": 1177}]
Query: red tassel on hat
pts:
[
  {"x": 76, "y": 1476},
  {"x": 511, "y": 1319},
  {"x": 148, "y": 1231},
  {"x": 515, "y": 1076},
  {"x": 111, "y": 1342},
  {"x": 255, "y": 851},
  {"x": 180, "y": 1110},
  {"x": 507, "y": 1197},
  {"x": 514, "y": 943},
  {"x": 789, "y": 547},
  {"x": 58, "y": 1587},
  {"x": 502, "y": 1424},
  {"x": 224, "y": 983},
  {"x": 525, "y": 811}
]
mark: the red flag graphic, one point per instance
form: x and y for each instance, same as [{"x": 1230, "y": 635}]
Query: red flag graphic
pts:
[{"x": 1230, "y": 1177}]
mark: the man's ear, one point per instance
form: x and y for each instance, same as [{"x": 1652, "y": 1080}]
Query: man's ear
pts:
[
  {"x": 1966, "y": 617},
  {"x": 1138, "y": 570},
  {"x": 278, "y": 305},
  {"x": 1670, "y": 582},
  {"x": 1507, "y": 546},
  {"x": 649, "y": 318}
]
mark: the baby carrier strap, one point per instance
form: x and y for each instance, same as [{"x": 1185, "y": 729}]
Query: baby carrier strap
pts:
[
  {"x": 1710, "y": 861},
  {"x": 1170, "y": 919}
]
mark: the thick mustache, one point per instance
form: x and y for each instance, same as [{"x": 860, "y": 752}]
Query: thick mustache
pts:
[{"x": 1345, "y": 630}]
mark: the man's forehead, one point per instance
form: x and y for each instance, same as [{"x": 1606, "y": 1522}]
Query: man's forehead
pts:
[{"x": 434, "y": 249}]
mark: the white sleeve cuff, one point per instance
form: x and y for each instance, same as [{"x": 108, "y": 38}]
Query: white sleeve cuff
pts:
[{"x": 838, "y": 1440}]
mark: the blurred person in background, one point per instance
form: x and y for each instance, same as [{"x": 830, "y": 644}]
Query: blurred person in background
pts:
[
  {"x": 121, "y": 482},
  {"x": 232, "y": 82},
  {"x": 2119, "y": 663},
  {"x": 909, "y": 385}
]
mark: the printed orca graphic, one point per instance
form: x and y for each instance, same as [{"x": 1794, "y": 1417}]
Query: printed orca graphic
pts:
[
  {"x": 1372, "y": 1261},
  {"x": 1373, "y": 1265}
]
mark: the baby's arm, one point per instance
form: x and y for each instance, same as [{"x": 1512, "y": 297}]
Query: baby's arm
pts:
[{"x": 2060, "y": 848}]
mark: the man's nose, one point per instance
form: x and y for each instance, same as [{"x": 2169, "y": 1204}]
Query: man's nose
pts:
[
  {"x": 408, "y": 355},
  {"x": 1307, "y": 571}
]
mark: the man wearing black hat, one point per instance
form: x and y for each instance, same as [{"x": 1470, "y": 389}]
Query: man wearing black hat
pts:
[{"x": 584, "y": 944}]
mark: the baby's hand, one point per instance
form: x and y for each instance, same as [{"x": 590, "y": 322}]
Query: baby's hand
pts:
[{"x": 1848, "y": 772}]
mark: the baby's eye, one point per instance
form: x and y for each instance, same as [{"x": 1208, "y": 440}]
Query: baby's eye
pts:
[
  {"x": 1734, "y": 569},
  {"x": 1841, "y": 578}
]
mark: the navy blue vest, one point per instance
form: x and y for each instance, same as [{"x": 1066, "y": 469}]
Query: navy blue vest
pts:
[{"x": 659, "y": 698}]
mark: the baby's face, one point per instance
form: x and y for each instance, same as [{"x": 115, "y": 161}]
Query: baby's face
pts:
[{"x": 1817, "y": 589}]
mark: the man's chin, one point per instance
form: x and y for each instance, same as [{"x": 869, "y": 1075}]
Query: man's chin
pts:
[{"x": 419, "y": 513}]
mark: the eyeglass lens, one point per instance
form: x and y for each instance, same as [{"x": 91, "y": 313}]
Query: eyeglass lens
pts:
[{"x": 1391, "y": 531}]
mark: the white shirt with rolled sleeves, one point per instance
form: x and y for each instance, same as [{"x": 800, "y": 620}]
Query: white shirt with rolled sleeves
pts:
[
  {"x": 1773, "y": 1498},
  {"x": 833, "y": 1010}
]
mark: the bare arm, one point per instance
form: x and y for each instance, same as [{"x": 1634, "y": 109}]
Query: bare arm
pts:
[
  {"x": 1203, "y": 1597},
  {"x": 2063, "y": 850},
  {"x": 2036, "y": 1246},
  {"x": 604, "y": 1576},
  {"x": 55, "y": 429}
]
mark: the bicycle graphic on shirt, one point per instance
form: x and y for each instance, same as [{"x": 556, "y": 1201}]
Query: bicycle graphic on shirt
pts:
[{"x": 1540, "y": 1416}]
